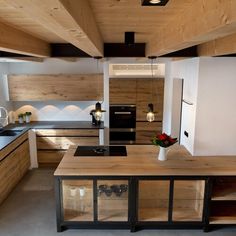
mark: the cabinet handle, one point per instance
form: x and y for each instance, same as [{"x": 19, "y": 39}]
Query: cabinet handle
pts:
[{"x": 122, "y": 112}]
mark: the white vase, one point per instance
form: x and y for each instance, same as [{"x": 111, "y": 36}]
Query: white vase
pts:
[
  {"x": 162, "y": 154},
  {"x": 27, "y": 119},
  {"x": 20, "y": 120}
]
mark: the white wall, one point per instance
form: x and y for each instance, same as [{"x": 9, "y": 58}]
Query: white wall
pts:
[
  {"x": 216, "y": 107},
  {"x": 59, "y": 110}
]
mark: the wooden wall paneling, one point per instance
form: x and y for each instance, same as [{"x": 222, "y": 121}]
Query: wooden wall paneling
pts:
[
  {"x": 67, "y": 87},
  {"x": 123, "y": 91}
]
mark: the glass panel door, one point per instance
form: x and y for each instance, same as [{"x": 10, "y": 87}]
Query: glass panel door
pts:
[
  {"x": 77, "y": 200},
  {"x": 153, "y": 200},
  {"x": 112, "y": 200},
  {"x": 188, "y": 200}
]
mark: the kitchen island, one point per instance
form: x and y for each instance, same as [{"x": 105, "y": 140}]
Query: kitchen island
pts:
[{"x": 138, "y": 191}]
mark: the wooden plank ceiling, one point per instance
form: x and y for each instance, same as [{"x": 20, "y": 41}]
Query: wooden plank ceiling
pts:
[{"x": 29, "y": 26}]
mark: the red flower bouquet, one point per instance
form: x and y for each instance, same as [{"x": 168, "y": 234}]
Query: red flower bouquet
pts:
[{"x": 164, "y": 140}]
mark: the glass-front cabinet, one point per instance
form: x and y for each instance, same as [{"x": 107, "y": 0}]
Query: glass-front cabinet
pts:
[
  {"x": 188, "y": 200},
  {"x": 112, "y": 200},
  {"x": 130, "y": 202},
  {"x": 153, "y": 200},
  {"x": 77, "y": 201}
]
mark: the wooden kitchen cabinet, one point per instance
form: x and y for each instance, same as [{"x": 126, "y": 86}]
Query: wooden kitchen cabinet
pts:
[
  {"x": 153, "y": 200},
  {"x": 14, "y": 166},
  {"x": 145, "y": 131},
  {"x": 149, "y": 91},
  {"x": 223, "y": 201},
  {"x": 141, "y": 92},
  {"x": 123, "y": 91},
  {"x": 53, "y": 143},
  {"x": 62, "y": 87}
]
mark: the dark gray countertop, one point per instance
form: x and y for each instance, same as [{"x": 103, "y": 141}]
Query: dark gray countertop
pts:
[{"x": 6, "y": 140}]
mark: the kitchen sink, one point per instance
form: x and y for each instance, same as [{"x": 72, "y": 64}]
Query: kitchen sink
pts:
[{"x": 10, "y": 132}]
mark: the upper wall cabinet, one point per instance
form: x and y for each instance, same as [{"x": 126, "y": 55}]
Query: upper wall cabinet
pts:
[
  {"x": 123, "y": 91},
  {"x": 63, "y": 87}
]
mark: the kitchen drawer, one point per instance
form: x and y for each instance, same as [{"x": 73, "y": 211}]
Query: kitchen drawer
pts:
[
  {"x": 49, "y": 157},
  {"x": 67, "y": 132},
  {"x": 64, "y": 142}
]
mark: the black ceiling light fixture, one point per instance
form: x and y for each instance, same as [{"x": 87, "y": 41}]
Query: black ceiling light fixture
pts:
[
  {"x": 97, "y": 112},
  {"x": 129, "y": 38},
  {"x": 150, "y": 114},
  {"x": 154, "y": 2}
]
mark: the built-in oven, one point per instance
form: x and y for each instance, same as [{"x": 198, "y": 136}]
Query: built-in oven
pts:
[{"x": 122, "y": 124}]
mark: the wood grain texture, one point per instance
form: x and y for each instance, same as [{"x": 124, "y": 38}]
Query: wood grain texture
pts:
[
  {"x": 16, "y": 41},
  {"x": 49, "y": 158},
  {"x": 87, "y": 87},
  {"x": 142, "y": 161},
  {"x": 13, "y": 168},
  {"x": 4, "y": 152},
  {"x": 218, "y": 47},
  {"x": 64, "y": 142},
  {"x": 217, "y": 20},
  {"x": 71, "y": 20},
  {"x": 145, "y": 131},
  {"x": 122, "y": 91},
  {"x": 150, "y": 91},
  {"x": 67, "y": 132}
]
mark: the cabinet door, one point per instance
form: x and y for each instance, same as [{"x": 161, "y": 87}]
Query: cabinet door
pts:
[
  {"x": 188, "y": 200},
  {"x": 150, "y": 91},
  {"x": 145, "y": 131},
  {"x": 113, "y": 200},
  {"x": 153, "y": 200},
  {"x": 122, "y": 91},
  {"x": 77, "y": 200},
  {"x": 63, "y": 87}
]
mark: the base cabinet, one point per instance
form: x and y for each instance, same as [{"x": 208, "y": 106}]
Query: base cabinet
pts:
[
  {"x": 52, "y": 144},
  {"x": 12, "y": 168},
  {"x": 132, "y": 202}
]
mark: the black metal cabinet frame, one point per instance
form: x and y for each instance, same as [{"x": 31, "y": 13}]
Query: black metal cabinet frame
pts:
[{"x": 133, "y": 195}]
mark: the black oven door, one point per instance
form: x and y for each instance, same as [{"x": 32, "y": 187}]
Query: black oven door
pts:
[
  {"x": 122, "y": 136},
  {"x": 123, "y": 116}
]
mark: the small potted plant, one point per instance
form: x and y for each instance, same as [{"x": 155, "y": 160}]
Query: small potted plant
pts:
[
  {"x": 164, "y": 141},
  {"x": 27, "y": 116},
  {"x": 21, "y": 118}
]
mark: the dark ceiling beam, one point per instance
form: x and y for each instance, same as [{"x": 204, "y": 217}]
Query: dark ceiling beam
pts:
[
  {"x": 66, "y": 50},
  {"x": 187, "y": 52},
  {"x": 123, "y": 50}
]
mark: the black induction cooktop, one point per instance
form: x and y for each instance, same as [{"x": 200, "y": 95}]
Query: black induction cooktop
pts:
[{"x": 101, "y": 151}]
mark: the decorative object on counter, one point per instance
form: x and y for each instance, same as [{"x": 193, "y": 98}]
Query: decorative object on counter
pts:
[
  {"x": 163, "y": 141},
  {"x": 116, "y": 189},
  {"x": 21, "y": 118},
  {"x": 97, "y": 114},
  {"x": 150, "y": 113},
  {"x": 27, "y": 116}
]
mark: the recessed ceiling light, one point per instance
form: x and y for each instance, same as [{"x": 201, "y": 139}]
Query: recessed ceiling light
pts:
[{"x": 154, "y": 2}]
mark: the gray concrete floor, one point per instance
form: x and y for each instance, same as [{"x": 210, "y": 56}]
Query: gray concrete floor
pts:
[{"x": 30, "y": 211}]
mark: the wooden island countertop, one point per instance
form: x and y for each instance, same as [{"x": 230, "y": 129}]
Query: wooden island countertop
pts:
[{"x": 141, "y": 160}]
